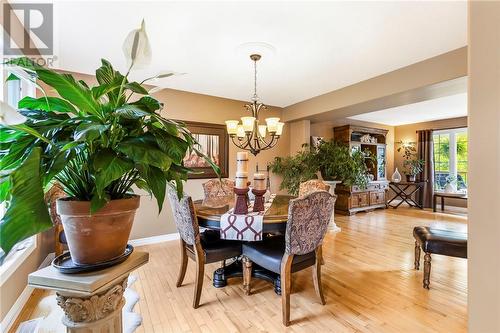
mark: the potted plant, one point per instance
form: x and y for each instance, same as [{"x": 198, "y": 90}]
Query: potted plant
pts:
[
  {"x": 295, "y": 169},
  {"x": 412, "y": 165},
  {"x": 97, "y": 142},
  {"x": 337, "y": 161},
  {"x": 333, "y": 159}
]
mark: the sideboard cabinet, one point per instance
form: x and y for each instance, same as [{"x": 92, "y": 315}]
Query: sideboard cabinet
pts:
[{"x": 353, "y": 199}]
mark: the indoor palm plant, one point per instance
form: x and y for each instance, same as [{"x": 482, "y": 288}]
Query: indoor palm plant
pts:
[{"x": 97, "y": 142}]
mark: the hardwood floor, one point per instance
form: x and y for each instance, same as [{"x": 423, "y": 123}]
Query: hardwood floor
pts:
[{"x": 368, "y": 280}]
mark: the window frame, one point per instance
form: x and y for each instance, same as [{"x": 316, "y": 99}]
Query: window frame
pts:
[{"x": 452, "y": 158}]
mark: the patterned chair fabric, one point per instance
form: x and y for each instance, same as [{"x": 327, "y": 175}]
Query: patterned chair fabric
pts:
[
  {"x": 312, "y": 185},
  {"x": 218, "y": 188},
  {"x": 184, "y": 216},
  {"x": 51, "y": 196},
  {"x": 308, "y": 219}
]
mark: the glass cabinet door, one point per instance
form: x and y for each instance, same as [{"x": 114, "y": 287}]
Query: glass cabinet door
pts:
[{"x": 381, "y": 169}]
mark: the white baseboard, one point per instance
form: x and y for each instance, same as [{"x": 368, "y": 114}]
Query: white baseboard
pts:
[
  {"x": 17, "y": 307},
  {"x": 154, "y": 239}
]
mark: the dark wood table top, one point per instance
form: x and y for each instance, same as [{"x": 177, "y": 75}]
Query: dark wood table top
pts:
[{"x": 209, "y": 212}]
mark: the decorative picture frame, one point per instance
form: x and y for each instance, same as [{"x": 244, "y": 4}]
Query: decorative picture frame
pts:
[{"x": 214, "y": 142}]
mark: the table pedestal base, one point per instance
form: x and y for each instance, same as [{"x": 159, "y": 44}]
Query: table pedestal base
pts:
[{"x": 235, "y": 269}]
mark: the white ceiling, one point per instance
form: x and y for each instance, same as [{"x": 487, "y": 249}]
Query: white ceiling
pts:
[
  {"x": 320, "y": 46},
  {"x": 439, "y": 108}
]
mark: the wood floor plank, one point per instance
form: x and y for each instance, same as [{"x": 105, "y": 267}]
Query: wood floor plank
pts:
[{"x": 368, "y": 280}]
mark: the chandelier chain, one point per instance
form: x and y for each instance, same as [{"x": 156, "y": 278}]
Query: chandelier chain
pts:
[{"x": 255, "y": 97}]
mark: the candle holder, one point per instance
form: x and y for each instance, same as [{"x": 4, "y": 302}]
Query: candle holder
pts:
[
  {"x": 258, "y": 204},
  {"x": 241, "y": 207}
]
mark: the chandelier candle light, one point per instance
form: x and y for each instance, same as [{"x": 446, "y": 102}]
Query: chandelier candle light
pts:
[{"x": 249, "y": 134}]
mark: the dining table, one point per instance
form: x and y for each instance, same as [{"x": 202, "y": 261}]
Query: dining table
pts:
[{"x": 209, "y": 212}]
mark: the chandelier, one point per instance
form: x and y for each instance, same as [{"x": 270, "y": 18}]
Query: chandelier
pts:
[{"x": 249, "y": 134}]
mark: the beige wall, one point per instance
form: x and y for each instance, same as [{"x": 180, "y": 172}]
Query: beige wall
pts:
[
  {"x": 325, "y": 129},
  {"x": 484, "y": 167},
  {"x": 301, "y": 130}
]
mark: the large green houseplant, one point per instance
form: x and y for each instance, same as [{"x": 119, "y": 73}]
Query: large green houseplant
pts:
[
  {"x": 97, "y": 142},
  {"x": 333, "y": 159}
]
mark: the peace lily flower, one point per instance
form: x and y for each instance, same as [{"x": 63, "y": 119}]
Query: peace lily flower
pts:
[
  {"x": 10, "y": 116},
  {"x": 137, "y": 49}
]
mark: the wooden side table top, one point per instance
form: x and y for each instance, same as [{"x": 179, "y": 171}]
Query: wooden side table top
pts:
[{"x": 86, "y": 283}]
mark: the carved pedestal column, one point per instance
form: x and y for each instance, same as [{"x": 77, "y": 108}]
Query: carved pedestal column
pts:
[
  {"x": 96, "y": 313},
  {"x": 92, "y": 302}
]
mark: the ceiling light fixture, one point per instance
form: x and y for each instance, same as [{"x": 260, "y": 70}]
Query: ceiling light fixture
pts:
[{"x": 249, "y": 134}]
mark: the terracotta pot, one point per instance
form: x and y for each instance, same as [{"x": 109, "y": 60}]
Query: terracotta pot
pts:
[{"x": 101, "y": 236}]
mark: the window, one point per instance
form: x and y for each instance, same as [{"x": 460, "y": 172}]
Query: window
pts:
[
  {"x": 13, "y": 91},
  {"x": 450, "y": 158}
]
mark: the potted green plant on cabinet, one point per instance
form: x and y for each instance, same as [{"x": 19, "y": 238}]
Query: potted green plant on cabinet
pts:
[
  {"x": 333, "y": 159},
  {"x": 97, "y": 142}
]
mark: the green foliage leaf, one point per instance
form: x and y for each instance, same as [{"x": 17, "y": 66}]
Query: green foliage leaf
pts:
[
  {"x": 26, "y": 202},
  {"x": 89, "y": 131},
  {"x": 137, "y": 88},
  {"x": 156, "y": 181},
  {"x": 148, "y": 103},
  {"x": 109, "y": 167},
  {"x": 66, "y": 86},
  {"x": 144, "y": 150},
  {"x": 47, "y": 104},
  {"x": 130, "y": 111}
]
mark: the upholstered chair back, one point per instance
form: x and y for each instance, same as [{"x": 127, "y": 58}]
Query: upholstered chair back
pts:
[
  {"x": 184, "y": 216},
  {"x": 308, "y": 219},
  {"x": 312, "y": 185},
  {"x": 218, "y": 188}
]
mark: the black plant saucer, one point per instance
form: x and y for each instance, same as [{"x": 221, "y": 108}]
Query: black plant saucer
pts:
[{"x": 64, "y": 264}]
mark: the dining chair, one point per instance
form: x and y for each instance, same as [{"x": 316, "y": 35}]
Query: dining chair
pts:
[
  {"x": 56, "y": 192},
  {"x": 311, "y": 186},
  {"x": 203, "y": 248},
  {"x": 218, "y": 188},
  {"x": 299, "y": 248}
]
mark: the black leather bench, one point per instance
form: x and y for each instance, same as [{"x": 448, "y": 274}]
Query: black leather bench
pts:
[{"x": 436, "y": 241}]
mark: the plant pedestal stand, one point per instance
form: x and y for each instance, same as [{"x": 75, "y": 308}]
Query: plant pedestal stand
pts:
[
  {"x": 333, "y": 226},
  {"x": 92, "y": 302}
]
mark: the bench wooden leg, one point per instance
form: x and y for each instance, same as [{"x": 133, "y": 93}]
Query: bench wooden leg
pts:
[
  {"x": 427, "y": 270},
  {"x": 417, "y": 255}
]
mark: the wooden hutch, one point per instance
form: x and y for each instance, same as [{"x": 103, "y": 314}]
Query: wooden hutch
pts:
[{"x": 353, "y": 199}]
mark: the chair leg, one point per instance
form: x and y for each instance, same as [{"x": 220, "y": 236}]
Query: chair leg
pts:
[
  {"x": 286, "y": 286},
  {"x": 427, "y": 269},
  {"x": 184, "y": 261},
  {"x": 247, "y": 274},
  {"x": 417, "y": 255},
  {"x": 316, "y": 273},
  {"x": 200, "y": 271}
]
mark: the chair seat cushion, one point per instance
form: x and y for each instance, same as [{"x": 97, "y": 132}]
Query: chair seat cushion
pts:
[
  {"x": 446, "y": 242},
  {"x": 270, "y": 251},
  {"x": 217, "y": 249}
]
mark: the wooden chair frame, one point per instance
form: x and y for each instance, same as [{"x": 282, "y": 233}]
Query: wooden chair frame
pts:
[
  {"x": 198, "y": 256},
  {"x": 286, "y": 281}
]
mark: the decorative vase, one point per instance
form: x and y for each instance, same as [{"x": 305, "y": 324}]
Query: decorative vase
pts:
[
  {"x": 100, "y": 236},
  {"x": 396, "y": 176}
]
